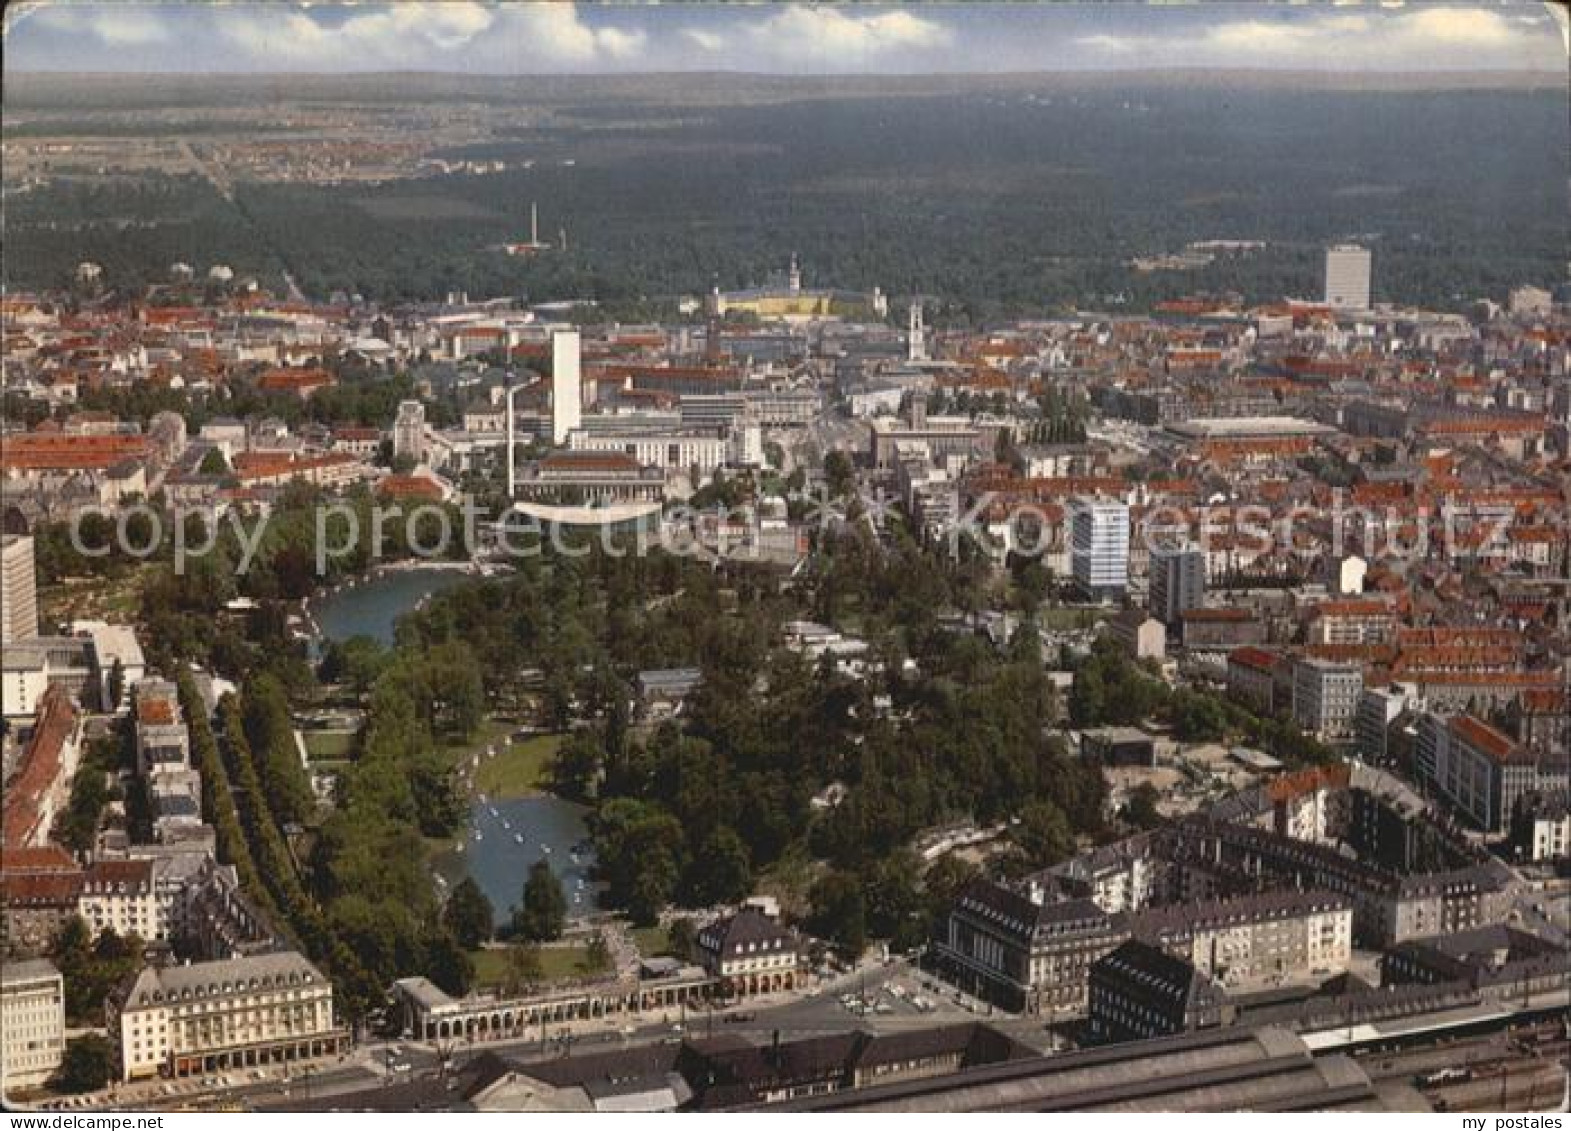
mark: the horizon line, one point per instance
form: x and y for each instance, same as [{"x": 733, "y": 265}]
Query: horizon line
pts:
[{"x": 1281, "y": 72}]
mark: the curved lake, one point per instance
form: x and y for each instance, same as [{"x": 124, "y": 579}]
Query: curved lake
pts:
[
  {"x": 503, "y": 838},
  {"x": 372, "y": 607}
]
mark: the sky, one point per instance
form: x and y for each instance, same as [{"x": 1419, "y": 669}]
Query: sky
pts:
[{"x": 471, "y": 36}]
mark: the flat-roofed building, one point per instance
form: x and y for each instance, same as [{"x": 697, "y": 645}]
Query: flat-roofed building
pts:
[
  {"x": 1221, "y": 629},
  {"x": 1541, "y": 826},
  {"x": 32, "y": 1024},
  {"x": 18, "y": 589},
  {"x": 1119, "y": 746},
  {"x": 672, "y": 451},
  {"x": 590, "y": 477},
  {"x": 946, "y": 437},
  {"x": 1347, "y": 276},
  {"x": 1099, "y": 546},
  {"x": 162, "y": 741},
  {"x": 1178, "y": 581},
  {"x": 567, "y": 391},
  {"x": 1325, "y": 697}
]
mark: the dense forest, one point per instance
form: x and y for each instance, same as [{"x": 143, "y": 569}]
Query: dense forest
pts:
[{"x": 999, "y": 201}]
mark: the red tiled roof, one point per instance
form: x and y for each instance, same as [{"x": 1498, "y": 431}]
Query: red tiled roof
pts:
[
  {"x": 40, "y": 768},
  {"x": 154, "y": 712},
  {"x": 288, "y": 380},
  {"x": 589, "y": 461},
  {"x": 1250, "y": 657},
  {"x": 1217, "y": 616},
  {"x": 42, "y": 859},
  {"x": 41, "y": 451},
  {"x": 48, "y": 889},
  {"x": 410, "y": 487},
  {"x": 1289, "y": 786},
  {"x": 119, "y": 873},
  {"x": 1353, "y": 608},
  {"x": 1484, "y": 738}
]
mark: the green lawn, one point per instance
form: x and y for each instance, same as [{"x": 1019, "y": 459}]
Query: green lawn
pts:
[
  {"x": 518, "y": 770},
  {"x": 651, "y": 941},
  {"x": 327, "y": 745},
  {"x": 488, "y": 733},
  {"x": 1063, "y": 618},
  {"x": 557, "y": 963}
]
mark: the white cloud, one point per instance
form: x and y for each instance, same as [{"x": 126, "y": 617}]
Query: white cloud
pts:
[
  {"x": 1460, "y": 37},
  {"x": 552, "y": 33},
  {"x": 704, "y": 40},
  {"x": 411, "y": 35},
  {"x": 831, "y": 37},
  {"x": 1459, "y": 26},
  {"x": 114, "y": 27}
]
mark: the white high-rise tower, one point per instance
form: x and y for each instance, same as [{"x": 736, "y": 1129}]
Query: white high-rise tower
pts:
[
  {"x": 1347, "y": 276},
  {"x": 566, "y": 390},
  {"x": 916, "y": 336},
  {"x": 1099, "y": 546},
  {"x": 18, "y": 589}
]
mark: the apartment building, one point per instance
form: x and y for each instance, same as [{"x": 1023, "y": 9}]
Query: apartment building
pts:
[
  {"x": 1541, "y": 827},
  {"x": 1222, "y": 859},
  {"x": 409, "y": 441},
  {"x": 1256, "y": 940},
  {"x": 1325, "y": 698},
  {"x": 1251, "y": 678},
  {"x": 1482, "y": 772},
  {"x": 212, "y": 1016},
  {"x": 18, "y": 589},
  {"x": 1023, "y": 950},
  {"x": 40, "y": 787},
  {"x": 122, "y": 896},
  {"x": 1352, "y": 621},
  {"x": 162, "y": 742},
  {"x": 1178, "y": 582}
]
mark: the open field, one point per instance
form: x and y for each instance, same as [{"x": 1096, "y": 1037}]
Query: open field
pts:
[
  {"x": 557, "y": 964},
  {"x": 327, "y": 745}
]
